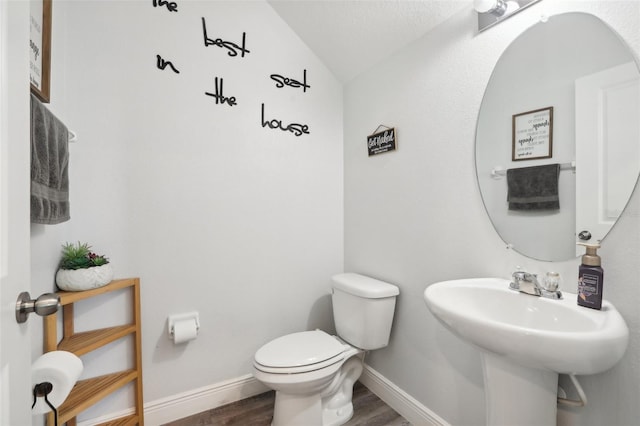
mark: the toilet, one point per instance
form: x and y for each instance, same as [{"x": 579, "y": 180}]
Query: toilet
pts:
[{"x": 313, "y": 372}]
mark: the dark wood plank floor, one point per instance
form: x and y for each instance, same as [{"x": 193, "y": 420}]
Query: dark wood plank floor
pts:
[{"x": 258, "y": 410}]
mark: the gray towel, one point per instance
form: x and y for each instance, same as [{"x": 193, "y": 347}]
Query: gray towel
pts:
[
  {"x": 533, "y": 188},
  {"x": 49, "y": 166}
]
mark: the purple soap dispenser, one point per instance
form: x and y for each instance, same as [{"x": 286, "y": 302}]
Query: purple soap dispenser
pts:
[{"x": 590, "y": 278}]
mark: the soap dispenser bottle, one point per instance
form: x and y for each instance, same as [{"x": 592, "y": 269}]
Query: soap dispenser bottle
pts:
[{"x": 590, "y": 278}]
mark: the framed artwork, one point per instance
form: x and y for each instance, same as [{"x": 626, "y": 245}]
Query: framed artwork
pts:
[
  {"x": 40, "y": 48},
  {"x": 532, "y": 134}
]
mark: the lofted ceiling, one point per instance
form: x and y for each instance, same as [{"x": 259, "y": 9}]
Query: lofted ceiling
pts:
[{"x": 350, "y": 36}]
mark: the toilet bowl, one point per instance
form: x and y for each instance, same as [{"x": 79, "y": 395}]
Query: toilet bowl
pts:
[
  {"x": 312, "y": 372},
  {"x": 313, "y": 380}
]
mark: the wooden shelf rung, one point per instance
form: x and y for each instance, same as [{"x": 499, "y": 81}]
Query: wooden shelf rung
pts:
[
  {"x": 67, "y": 297},
  {"x": 87, "y": 392},
  {"x": 87, "y": 341}
]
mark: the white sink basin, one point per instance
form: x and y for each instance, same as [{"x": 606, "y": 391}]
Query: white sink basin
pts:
[{"x": 555, "y": 335}]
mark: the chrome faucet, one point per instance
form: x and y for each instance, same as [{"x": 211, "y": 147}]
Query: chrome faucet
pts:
[{"x": 526, "y": 282}]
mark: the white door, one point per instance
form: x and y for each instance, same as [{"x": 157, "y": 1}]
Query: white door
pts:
[
  {"x": 607, "y": 147},
  {"x": 15, "y": 342}
]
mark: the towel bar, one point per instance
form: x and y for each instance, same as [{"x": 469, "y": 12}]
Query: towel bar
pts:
[{"x": 497, "y": 172}]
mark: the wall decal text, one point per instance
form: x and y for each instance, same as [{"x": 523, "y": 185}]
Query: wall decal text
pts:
[
  {"x": 295, "y": 128},
  {"x": 162, "y": 64},
  {"x": 220, "y": 98},
  {"x": 284, "y": 81},
  {"x": 232, "y": 48},
  {"x": 172, "y": 6}
]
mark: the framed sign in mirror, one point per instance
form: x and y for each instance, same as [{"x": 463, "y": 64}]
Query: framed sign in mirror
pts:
[
  {"x": 40, "y": 48},
  {"x": 532, "y": 134}
]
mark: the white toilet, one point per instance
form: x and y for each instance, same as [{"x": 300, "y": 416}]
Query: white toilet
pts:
[{"x": 312, "y": 372}]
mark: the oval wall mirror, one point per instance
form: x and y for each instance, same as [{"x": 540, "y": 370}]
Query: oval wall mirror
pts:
[{"x": 558, "y": 136}]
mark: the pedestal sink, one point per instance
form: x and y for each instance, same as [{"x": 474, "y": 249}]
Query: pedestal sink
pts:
[{"x": 526, "y": 341}]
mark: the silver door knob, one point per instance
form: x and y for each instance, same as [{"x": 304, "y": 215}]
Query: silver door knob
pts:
[
  {"x": 584, "y": 235},
  {"x": 46, "y": 304}
]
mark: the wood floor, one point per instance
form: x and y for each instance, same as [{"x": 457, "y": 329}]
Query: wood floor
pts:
[{"x": 258, "y": 410}]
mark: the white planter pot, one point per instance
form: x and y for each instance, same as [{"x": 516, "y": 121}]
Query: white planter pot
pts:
[{"x": 84, "y": 279}]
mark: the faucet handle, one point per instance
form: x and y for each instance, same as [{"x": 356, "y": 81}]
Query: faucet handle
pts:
[
  {"x": 523, "y": 275},
  {"x": 551, "y": 281},
  {"x": 519, "y": 273}
]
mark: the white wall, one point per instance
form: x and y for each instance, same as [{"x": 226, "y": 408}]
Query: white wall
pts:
[
  {"x": 213, "y": 211},
  {"x": 415, "y": 216},
  {"x": 218, "y": 214}
]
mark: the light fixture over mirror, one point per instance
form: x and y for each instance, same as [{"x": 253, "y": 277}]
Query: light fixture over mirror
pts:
[
  {"x": 490, "y": 12},
  {"x": 584, "y": 81}
]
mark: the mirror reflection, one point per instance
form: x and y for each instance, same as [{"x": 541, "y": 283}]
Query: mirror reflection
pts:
[{"x": 558, "y": 136}]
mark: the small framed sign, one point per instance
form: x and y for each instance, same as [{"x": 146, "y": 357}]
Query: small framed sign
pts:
[
  {"x": 532, "y": 134},
  {"x": 381, "y": 142},
  {"x": 40, "y": 48}
]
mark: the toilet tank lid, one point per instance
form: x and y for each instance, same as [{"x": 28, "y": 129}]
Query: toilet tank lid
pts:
[{"x": 361, "y": 286}]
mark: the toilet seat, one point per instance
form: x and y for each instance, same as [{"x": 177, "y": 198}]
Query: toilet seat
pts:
[{"x": 299, "y": 353}]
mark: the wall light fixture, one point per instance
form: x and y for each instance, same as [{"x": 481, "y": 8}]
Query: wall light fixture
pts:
[{"x": 490, "y": 12}]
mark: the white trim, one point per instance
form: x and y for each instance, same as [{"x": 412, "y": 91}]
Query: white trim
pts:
[
  {"x": 106, "y": 418},
  {"x": 192, "y": 402},
  {"x": 206, "y": 398},
  {"x": 407, "y": 406}
]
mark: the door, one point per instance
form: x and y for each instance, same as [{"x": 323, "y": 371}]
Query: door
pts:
[
  {"x": 607, "y": 147},
  {"x": 15, "y": 342}
]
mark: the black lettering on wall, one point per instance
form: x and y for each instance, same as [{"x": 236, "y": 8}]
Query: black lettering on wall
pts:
[
  {"x": 295, "y": 128},
  {"x": 172, "y": 6},
  {"x": 232, "y": 48},
  {"x": 162, "y": 64},
  {"x": 218, "y": 94},
  {"x": 284, "y": 81}
]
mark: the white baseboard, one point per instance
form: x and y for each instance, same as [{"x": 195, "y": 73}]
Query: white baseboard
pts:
[
  {"x": 407, "y": 406},
  {"x": 192, "y": 402},
  {"x": 106, "y": 418},
  {"x": 198, "y": 400},
  {"x": 195, "y": 401}
]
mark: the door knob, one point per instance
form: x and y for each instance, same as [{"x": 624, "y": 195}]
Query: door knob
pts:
[
  {"x": 584, "y": 235},
  {"x": 46, "y": 304}
]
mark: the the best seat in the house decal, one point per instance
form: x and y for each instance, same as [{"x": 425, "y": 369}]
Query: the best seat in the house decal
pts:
[{"x": 237, "y": 50}]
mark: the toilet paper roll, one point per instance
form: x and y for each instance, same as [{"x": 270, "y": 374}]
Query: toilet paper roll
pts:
[
  {"x": 185, "y": 330},
  {"x": 60, "y": 368}
]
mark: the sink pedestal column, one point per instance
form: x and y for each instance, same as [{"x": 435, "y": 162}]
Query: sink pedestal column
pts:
[{"x": 517, "y": 395}]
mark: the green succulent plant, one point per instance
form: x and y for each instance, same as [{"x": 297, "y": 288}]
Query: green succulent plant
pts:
[{"x": 80, "y": 256}]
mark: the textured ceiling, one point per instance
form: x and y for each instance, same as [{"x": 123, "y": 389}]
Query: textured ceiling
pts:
[{"x": 350, "y": 36}]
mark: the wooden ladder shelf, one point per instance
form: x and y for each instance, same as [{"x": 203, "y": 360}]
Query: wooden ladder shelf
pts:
[{"x": 88, "y": 392}]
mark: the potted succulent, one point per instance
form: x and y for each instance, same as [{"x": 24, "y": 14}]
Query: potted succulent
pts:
[{"x": 81, "y": 269}]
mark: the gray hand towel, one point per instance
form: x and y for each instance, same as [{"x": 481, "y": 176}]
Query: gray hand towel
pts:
[
  {"x": 49, "y": 166},
  {"x": 533, "y": 188}
]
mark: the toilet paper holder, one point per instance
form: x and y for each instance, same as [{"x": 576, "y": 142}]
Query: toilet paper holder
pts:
[
  {"x": 41, "y": 390},
  {"x": 173, "y": 319}
]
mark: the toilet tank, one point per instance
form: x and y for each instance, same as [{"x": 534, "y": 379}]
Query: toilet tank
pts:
[{"x": 363, "y": 310}]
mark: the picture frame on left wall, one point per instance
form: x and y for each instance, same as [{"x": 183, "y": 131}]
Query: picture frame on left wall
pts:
[{"x": 40, "y": 48}]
